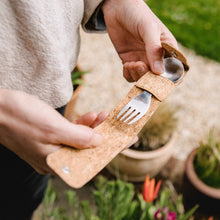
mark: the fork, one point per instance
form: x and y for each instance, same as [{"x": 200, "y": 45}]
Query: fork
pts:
[{"x": 138, "y": 106}]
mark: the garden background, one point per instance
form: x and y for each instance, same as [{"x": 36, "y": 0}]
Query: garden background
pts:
[{"x": 195, "y": 24}]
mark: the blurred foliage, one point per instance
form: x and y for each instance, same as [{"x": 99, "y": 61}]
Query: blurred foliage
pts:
[
  {"x": 158, "y": 130},
  {"x": 77, "y": 77},
  {"x": 114, "y": 200},
  {"x": 52, "y": 210},
  {"x": 207, "y": 161},
  {"x": 195, "y": 24}
]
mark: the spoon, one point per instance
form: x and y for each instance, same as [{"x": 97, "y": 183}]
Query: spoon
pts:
[
  {"x": 174, "y": 69},
  {"x": 138, "y": 106}
]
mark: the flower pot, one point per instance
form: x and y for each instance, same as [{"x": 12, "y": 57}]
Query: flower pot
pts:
[
  {"x": 70, "y": 113},
  {"x": 134, "y": 165},
  {"x": 197, "y": 192}
]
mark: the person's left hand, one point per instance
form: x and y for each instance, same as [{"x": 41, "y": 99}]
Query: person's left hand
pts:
[
  {"x": 91, "y": 119},
  {"x": 137, "y": 35}
]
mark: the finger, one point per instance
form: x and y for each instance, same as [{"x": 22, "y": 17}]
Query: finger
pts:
[
  {"x": 87, "y": 119},
  {"x": 44, "y": 171},
  {"x": 136, "y": 70},
  {"x": 154, "y": 50},
  {"x": 132, "y": 70},
  {"x": 141, "y": 68},
  {"x": 155, "y": 57},
  {"x": 78, "y": 136},
  {"x": 126, "y": 72},
  {"x": 100, "y": 118}
]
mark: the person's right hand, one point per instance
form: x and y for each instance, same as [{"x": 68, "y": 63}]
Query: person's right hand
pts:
[
  {"x": 32, "y": 129},
  {"x": 136, "y": 34}
]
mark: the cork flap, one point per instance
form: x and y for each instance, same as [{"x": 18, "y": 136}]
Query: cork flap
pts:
[
  {"x": 158, "y": 86},
  {"x": 172, "y": 52}
]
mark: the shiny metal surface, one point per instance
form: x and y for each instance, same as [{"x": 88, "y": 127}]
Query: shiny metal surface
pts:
[{"x": 138, "y": 106}]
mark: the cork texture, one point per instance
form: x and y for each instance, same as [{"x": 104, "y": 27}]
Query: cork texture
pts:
[
  {"x": 77, "y": 167},
  {"x": 85, "y": 164},
  {"x": 172, "y": 52},
  {"x": 158, "y": 86}
]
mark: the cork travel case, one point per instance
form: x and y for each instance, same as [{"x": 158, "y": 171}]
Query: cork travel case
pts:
[{"x": 77, "y": 167}]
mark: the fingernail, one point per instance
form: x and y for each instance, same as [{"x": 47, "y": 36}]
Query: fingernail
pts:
[
  {"x": 158, "y": 67},
  {"x": 96, "y": 140},
  {"x": 141, "y": 69}
]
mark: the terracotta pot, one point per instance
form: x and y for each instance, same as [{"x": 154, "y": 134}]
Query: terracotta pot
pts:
[
  {"x": 197, "y": 192},
  {"x": 70, "y": 113},
  {"x": 134, "y": 165}
]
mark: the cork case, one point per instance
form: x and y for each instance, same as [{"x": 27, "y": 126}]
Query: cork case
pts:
[{"x": 77, "y": 167}]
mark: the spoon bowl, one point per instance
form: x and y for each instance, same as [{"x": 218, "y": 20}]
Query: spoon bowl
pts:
[{"x": 174, "y": 69}]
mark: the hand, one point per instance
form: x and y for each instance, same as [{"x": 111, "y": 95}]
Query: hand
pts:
[
  {"x": 137, "y": 35},
  {"x": 91, "y": 119},
  {"x": 32, "y": 129}
]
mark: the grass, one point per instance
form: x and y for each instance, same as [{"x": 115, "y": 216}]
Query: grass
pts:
[{"x": 195, "y": 24}]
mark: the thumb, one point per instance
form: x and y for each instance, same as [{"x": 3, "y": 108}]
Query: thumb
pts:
[
  {"x": 152, "y": 42},
  {"x": 154, "y": 52},
  {"x": 79, "y": 136}
]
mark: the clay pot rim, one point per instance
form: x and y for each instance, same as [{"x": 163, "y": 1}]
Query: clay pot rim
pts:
[
  {"x": 196, "y": 182},
  {"x": 142, "y": 155}
]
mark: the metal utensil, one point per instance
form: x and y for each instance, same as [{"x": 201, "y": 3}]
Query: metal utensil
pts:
[{"x": 138, "y": 106}]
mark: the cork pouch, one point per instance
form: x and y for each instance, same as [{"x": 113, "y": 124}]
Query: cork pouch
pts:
[{"x": 77, "y": 167}]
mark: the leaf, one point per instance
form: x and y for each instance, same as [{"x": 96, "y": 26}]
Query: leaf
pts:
[
  {"x": 86, "y": 210},
  {"x": 165, "y": 194},
  {"x": 190, "y": 213},
  {"x": 71, "y": 197},
  {"x": 142, "y": 202},
  {"x": 77, "y": 77},
  {"x": 134, "y": 211},
  {"x": 53, "y": 197},
  {"x": 179, "y": 205}
]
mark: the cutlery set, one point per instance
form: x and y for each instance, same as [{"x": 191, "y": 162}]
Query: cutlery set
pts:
[{"x": 77, "y": 167}]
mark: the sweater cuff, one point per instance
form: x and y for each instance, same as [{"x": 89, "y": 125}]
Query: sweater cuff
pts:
[{"x": 93, "y": 19}]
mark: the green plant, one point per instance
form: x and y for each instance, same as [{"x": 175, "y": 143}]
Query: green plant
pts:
[
  {"x": 52, "y": 210},
  {"x": 114, "y": 201},
  {"x": 207, "y": 161},
  {"x": 117, "y": 200},
  {"x": 77, "y": 77},
  {"x": 158, "y": 130},
  {"x": 195, "y": 24}
]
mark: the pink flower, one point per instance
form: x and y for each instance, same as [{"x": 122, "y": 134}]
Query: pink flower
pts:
[
  {"x": 165, "y": 214},
  {"x": 171, "y": 216},
  {"x": 158, "y": 215}
]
